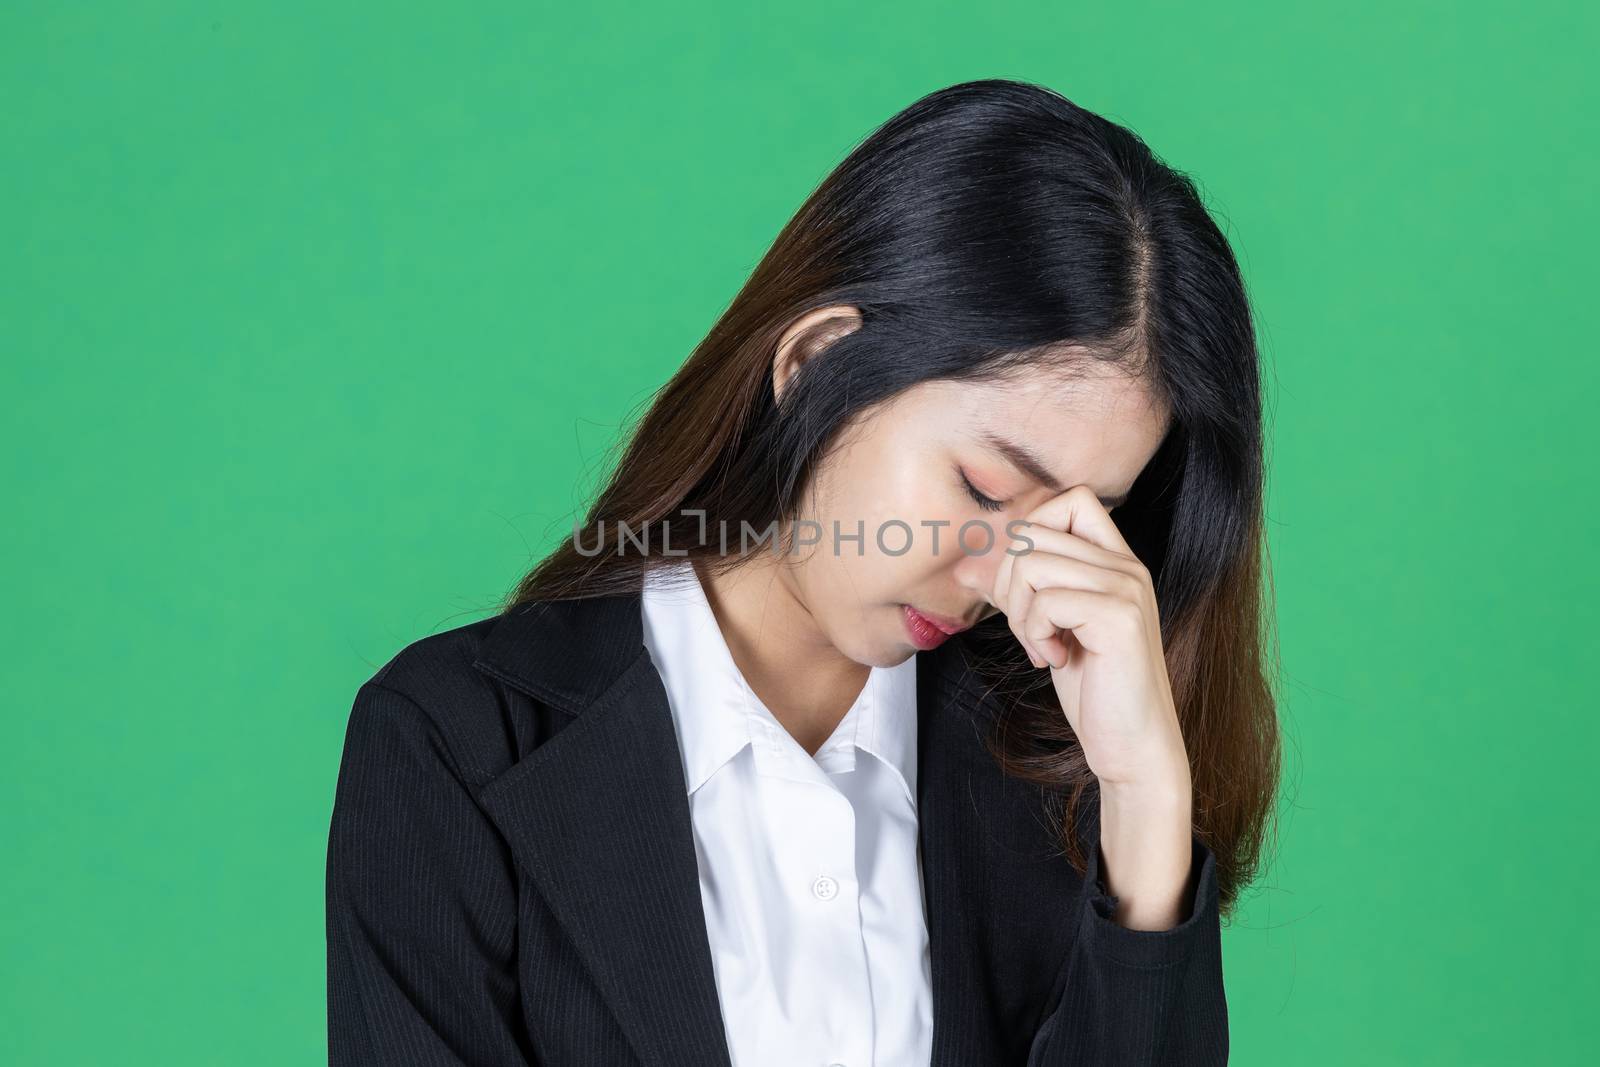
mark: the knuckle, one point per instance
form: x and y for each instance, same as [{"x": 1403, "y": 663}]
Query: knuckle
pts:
[{"x": 1024, "y": 566}]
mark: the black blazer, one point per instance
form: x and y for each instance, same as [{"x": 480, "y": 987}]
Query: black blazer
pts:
[{"x": 511, "y": 876}]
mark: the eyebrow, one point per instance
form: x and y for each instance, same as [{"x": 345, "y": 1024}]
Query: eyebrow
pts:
[{"x": 1025, "y": 461}]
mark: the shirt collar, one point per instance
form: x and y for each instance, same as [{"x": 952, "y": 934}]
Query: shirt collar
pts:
[{"x": 716, "y": 714}]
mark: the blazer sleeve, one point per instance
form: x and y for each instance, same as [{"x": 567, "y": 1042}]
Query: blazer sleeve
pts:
[
  {"x": 1146, "y": 997},
  {"x": 421, "y": 903}
]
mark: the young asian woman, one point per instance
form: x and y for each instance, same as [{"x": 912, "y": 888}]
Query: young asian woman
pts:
[{"x": 900, "y": 698}]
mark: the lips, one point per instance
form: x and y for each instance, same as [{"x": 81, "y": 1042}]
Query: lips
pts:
[
  {"x": 929, "y": 631},
  {"x": 948, "y": 624}
]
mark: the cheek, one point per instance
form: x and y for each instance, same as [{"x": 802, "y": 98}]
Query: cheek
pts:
[
  {"x": 916, "y": 490},
  {"x": 894, "y": 488}
]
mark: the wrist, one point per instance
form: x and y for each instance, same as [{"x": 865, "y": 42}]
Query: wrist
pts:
[{"x": 1162, "y": 794}]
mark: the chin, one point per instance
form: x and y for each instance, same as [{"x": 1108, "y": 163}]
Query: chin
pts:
[
  {"x": 871, "y": 649},
  {"x": 891, "y": 654}
]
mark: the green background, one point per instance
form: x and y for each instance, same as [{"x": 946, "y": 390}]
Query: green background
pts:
[{"x": 318, "y": 319}]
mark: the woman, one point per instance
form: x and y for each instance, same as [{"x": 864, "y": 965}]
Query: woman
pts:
[{"x": 850, "y": 727}]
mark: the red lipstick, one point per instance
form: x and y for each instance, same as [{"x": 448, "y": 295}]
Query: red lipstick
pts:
[{"x": 929, "y": 631}]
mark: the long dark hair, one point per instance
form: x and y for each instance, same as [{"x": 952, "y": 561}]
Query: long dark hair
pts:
[{"x": 989, "y": 226}]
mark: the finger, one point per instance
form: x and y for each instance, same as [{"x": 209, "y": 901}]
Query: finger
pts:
[
  {"x": 1000, "y": 597},
  {"x": 1017, "y": 594},
  {"x": 1080, "y": 512},
  {"x": 1039, "y": 572},
  {"x": 1062, "y": 543},
  {"x": 1094, "y": 618}
]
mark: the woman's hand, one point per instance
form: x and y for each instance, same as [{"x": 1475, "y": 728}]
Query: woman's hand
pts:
[{"x": 1082, "y": 603}]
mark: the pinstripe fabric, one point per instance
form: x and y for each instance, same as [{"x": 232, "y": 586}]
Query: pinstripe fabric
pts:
[{"x": 511, "y": 876}]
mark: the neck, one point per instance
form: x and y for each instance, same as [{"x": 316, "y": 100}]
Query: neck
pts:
[{"x": 776, "y": 643}]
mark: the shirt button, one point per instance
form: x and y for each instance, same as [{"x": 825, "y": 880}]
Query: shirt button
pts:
[{"x": 825, "y": 888}]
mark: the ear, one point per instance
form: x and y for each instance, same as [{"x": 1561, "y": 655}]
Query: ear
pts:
[{"x": 807, "y": 337}]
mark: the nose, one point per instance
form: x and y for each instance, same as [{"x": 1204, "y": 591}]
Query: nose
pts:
[{"x": 976, "y": 575}]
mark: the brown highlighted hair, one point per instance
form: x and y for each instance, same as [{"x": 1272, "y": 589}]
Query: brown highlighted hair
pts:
[{"x": 990, "y": 226}]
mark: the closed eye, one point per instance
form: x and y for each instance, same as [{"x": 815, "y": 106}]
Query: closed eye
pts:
[{"x": 985, "y": 502}]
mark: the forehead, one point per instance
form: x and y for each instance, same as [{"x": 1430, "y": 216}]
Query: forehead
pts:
[
  {"x": 1096, "y": 423},
  {"x": 1096, "y": 426}
]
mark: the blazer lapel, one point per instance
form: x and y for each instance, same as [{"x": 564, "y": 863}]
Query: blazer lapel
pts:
[
  {"x": 599, "y": 816},
  {"x": 949, "y": 795}
]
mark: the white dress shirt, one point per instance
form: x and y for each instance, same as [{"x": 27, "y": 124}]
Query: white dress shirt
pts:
[{"x": 809, "y": 871}]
